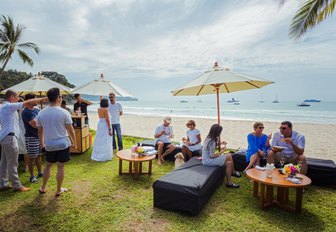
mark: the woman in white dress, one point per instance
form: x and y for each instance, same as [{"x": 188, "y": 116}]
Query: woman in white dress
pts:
[
  {"x": 192, "y": 144},
  {"x": 102, "y": 147}
]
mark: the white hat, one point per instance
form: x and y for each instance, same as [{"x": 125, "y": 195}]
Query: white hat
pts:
[{"x": 167, "y": 119}]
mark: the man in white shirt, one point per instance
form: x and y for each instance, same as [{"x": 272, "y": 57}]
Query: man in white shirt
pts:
[
  {"x": 163, "y": 134},
  {"x": 115, "y": 111},
  {"x": 9, "y": 132},
  {"x": 293, "y": 143},
  {"x": 54, "y": 127}
]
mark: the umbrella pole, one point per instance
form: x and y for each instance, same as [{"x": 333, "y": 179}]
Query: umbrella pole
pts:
[{"x": 218, "y": 110}]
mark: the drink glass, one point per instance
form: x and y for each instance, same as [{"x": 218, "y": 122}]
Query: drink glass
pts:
[{"x": 282, "y": 162}]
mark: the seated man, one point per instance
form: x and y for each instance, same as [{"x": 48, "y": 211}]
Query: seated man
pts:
[
  {"x": 294, "y": 144},
  {"x": 162, "y": 135}
]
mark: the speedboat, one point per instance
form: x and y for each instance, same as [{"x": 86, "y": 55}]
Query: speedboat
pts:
[{"x": 303, "y": 104}]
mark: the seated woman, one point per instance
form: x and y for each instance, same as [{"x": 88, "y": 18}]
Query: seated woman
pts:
[
  {"x": 210, "y": 158},
  {"x": 193, "y": 141},
  {"x": 257, "y": 146}
]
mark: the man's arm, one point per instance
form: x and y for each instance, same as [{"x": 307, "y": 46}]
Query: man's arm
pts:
[
  {"x": 71, "y": 132},
  {"x": 86, "y": 101},
  {"x": 41, "y": 136},
  {"x": 34, "y": 101},
  {"x": 32, "y": 123}
]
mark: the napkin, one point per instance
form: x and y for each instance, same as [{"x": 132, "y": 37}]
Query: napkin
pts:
[
  {"x": 260, "y": 168},
  {"x": 294, "y": 180}
]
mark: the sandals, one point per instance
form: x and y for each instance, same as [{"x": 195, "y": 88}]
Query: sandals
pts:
[
  {"x": 233, "y": 185},
  {"x": 63, "y": 190},
  {"x": 237, "y": 174},
  {"x": 42, "y": 192}
]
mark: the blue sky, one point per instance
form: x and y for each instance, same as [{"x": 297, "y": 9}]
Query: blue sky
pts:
[{"x": 150, "y": 47}]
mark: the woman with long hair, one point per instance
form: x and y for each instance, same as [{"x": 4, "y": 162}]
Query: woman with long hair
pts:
[{"x": 212, "y": 158}]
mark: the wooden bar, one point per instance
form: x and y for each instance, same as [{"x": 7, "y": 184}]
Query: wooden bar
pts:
[{"x": 82, "y": 134}]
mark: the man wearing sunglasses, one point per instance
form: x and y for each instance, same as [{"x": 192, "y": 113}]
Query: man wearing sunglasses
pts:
[{"x": 293, "y": 144}]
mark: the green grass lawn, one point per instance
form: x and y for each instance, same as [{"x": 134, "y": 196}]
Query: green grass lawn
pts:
[{"x": 101, "y": 200}]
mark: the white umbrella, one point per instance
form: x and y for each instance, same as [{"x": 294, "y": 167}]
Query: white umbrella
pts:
[
  {"x": 101, "y": 87},
  {"x": 39, "y": 85},
  {"x": 219, "y": 80}
]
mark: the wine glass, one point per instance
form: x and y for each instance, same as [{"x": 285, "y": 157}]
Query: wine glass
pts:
[
  {"x": 282, "y": 162},
  {"x": 300, "y": 166}
]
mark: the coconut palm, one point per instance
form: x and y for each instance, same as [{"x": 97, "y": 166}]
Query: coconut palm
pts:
[
  {"x": 309, "y": 14},
  {"x": 10, "y": 36}
]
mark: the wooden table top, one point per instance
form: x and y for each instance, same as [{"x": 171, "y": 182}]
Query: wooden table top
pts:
[
  {"x": 277, "y": 179},
  {"x": 126, "y": 155}
]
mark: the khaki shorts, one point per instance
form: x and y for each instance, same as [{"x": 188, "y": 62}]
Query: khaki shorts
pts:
[{"x": 288, "y": 159}]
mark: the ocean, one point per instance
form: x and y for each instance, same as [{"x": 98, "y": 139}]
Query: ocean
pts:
[{"x": 320, "y": 113}]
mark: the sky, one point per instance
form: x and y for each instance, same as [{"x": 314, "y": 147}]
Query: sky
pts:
[{"x": 150, "y": 47}]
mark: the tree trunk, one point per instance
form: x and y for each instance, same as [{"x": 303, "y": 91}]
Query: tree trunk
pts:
[{"x": 2, "y": 70}]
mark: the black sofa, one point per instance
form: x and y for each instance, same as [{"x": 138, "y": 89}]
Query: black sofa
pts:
[{"x": 187, "y": 188}]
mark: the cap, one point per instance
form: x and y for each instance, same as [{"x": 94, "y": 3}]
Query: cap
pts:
[{"x": 167, "y": 119}]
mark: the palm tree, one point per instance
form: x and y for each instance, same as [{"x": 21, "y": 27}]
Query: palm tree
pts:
[
  {"x": 10, "y": 36},
  {"x": 310, "y": 13}
]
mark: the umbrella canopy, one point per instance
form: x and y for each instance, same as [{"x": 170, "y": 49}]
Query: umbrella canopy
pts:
[
  {"x": 101, "y": 87},
  {"x": 39, "y": 85},
  {"x": 219, "y": 80}
]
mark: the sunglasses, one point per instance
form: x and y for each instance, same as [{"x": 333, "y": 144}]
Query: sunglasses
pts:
[
  {"x": 283, "y": 128},
  {"x": 261, "y": 127},
  {"x": 111, "y": 97}
]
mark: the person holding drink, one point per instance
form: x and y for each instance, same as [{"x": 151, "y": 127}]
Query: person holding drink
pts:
[
  {"x": 192, "y": 143},
  {"x": 163, "y": 134},
  {"x": 212, "y": 158},
  {"x": 258, "y": 144}
]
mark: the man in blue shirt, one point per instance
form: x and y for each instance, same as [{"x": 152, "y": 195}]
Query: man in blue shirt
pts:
[
  {"x": 33, "y": 145},
  {"x": 293, "y": 143},
  {"x": 9, "y": 132}
]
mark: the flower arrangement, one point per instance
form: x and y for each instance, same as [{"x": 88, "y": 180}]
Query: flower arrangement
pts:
[
  {"x": 140, "y": 151},
  {"x": 291, "y": 169}
]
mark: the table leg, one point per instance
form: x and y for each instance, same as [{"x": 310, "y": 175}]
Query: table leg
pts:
[
  {"x": 136, "y": 170},
  {"x": 255, "y": 188},
  {"x": 120, "y": 167},
  {"x": 150, "y": 167},
  {"x": 140, "y": 167},
  {"x": 269, "y": 195},
  {"x": 281, "y": 195},
  {"x": 262, "y": 196},
  {"x": 298, "y": 203},
  {"x": 130, "y": 167}
]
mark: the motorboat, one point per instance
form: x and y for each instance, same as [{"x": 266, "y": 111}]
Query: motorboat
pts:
[
  {"x": 232, "y": 100},
  {"x": 311, "y": 100},
  {"x": 303, "y": 104}
]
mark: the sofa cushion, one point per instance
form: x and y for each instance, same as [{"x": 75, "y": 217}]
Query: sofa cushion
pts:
[
  {"x": 321, "y": 172},
  {"x": 187, "y": 188}
]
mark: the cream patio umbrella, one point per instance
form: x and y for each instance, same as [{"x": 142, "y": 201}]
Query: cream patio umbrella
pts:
[
  {"x": 219, "y": 80},
  {"x": 101, "y": 87},
  {"x": 39, "y": 85}
]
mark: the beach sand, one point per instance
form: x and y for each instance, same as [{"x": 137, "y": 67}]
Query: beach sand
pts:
[{"x": 319, "y": 137}]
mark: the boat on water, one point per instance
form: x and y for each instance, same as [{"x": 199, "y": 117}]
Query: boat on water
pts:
[
  {"x": 232, "y": 100},
  {"x": 311, "y": 100},
  {"x": 183, "y": 101},
  {"x": 303, "y": 104},
  {"x": 236, "y": 103},
  {"x": 276, "y": 99}
]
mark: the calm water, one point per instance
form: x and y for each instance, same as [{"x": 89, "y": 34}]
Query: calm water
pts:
[{"x": 323, "y": 112}]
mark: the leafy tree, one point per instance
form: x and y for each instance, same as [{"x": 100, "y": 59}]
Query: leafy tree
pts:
[
  {"x": 59, "y": 78},
  {"x": 309, "y": 14},
  {"x": 10, "y": 36}
]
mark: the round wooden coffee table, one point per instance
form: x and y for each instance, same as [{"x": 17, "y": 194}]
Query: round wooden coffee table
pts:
[
  {"x": 135, "y": 162},
  {"x": 278, "y": 180}
]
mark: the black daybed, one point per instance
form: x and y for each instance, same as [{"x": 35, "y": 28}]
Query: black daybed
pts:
[{"x": 188, "y": 188}]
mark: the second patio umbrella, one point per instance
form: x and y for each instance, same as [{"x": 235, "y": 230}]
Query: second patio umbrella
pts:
[
  {"x": 219, "y": 80},
  {"x": 101, "y": 87}
]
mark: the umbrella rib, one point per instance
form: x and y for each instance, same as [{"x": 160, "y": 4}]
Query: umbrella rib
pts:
[
  {"x": 227, "y": 90},
  {"x": 252, "y": 84},
  {"x": 200, "y": 90},
  {"x": 178, "y": 92}
]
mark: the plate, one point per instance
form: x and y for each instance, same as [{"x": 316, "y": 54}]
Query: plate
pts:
[{"x": 279, "y": 148}]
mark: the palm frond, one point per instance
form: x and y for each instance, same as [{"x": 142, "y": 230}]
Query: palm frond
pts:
[
  {"x": 25, "y": 58},
  {"x": 31, "y": 46},
  {"x": 310, "y": 13}
]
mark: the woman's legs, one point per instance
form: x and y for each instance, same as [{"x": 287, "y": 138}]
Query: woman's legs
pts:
[{"x": 254, "y": 158}]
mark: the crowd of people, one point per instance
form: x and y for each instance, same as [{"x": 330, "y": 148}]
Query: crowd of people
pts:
[{"x": 51, "y": 130}]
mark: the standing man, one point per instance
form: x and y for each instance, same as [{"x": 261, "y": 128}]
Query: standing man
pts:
[
  {"x": 33, "y": 145},
  {"x": 82, "y": 105},
  {"x": 54, "y": 127},
  {"x": 9, "y": 132},
  {"x": 294, "y": 144},
  {"x": 115, "y": 111},
  {"x": 163, "y": 134}
]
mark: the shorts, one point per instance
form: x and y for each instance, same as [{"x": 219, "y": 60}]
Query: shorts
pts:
[
  {"x": 60, "y": 156},
  {"x": 33, "y": 147},
  {"x": 165, "y": 145},
  {"x": 288, "y": 159}
]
